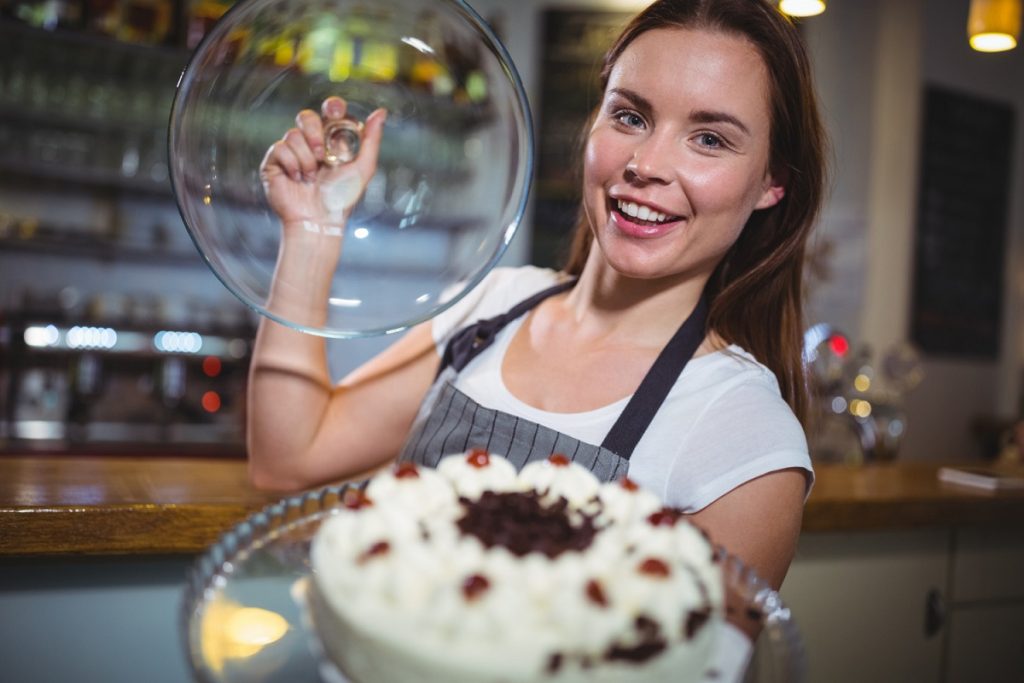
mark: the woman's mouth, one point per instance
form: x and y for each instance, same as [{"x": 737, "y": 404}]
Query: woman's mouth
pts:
[{"x": 639, "y": 220}]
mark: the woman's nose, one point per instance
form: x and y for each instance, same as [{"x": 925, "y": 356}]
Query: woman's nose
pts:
[{"x": 650, "y": 162}]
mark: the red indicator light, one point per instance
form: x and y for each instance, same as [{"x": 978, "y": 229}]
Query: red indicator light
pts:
[
  {"x": 839, "y": 345},
  {"x": 211, "y": 401},
  {"x": 211, "y": 366}
]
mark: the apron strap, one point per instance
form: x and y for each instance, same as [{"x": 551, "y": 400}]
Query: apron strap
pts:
[
  {"x": 629, "y": 428},
  {"x": 627, "y": 431},
  {"x": 470, "y": 341}
]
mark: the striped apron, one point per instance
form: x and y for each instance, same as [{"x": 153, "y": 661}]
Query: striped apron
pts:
[{"x": 449, "y": 421}]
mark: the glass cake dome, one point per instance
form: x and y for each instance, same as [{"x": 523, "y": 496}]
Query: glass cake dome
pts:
[{"x": 431, "y": 217}]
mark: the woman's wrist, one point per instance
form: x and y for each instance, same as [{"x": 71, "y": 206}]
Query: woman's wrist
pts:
[
  {"x": 308, "y": 242},
  {"x": 306, "y": 264},
  {"x": 300, "y": 229}
]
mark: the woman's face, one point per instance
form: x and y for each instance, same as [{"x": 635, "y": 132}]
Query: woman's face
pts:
[{"x": 678, "y": 156}]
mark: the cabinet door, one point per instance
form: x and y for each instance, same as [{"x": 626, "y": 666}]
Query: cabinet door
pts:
[
  {"x": 986, "y": 644},
  {"x": 988, "y": 564},
  {"x": 860, "y": 601},
  {"x": 986, "y": 630}
]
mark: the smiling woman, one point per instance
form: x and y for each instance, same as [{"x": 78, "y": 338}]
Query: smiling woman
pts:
[{"x": 669, "y": 346}]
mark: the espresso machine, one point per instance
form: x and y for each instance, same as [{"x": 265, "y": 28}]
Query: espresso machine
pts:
[
  {"x": 858, "y": 399},
  {"x": 128, "y": 381}
]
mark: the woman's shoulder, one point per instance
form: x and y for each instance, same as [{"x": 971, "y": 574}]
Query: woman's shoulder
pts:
[
  {"x": 733, "y": 388},
  {"x": 747, "y": 398},
  {"x": 728, "y": 367},
  {"x": 744, "y": 429}
]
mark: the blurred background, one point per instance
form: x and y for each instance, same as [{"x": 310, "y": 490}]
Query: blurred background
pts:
[{"x": 115, "y": 335}]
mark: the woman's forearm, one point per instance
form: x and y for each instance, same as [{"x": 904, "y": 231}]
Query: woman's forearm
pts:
[{"x": 289, "y": 380}]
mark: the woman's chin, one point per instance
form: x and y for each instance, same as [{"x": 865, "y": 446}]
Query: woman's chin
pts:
[
  {"x": 635, "y": 261},
  {"x": 638, "y": 269}
]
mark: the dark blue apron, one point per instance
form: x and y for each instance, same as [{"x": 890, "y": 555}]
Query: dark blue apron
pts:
[{"x": 451, "y": 422}]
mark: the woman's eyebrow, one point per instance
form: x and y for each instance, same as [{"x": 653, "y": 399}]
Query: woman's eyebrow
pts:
[
  {"x": 707, "y": 116},
  {"x": 635, "y": 98}
]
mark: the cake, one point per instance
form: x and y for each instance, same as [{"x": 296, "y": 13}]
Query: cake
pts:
[{"x": 476, "y": 573}]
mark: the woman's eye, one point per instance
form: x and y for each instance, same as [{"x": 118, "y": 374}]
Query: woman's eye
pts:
[
  {"x": 630, "y": 119},
  {"x": 710, "y": 140}
]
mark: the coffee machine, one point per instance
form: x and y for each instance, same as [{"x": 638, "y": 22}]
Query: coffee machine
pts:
[{"x": 128, "y": 382}]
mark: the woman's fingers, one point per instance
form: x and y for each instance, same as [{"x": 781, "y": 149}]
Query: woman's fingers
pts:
[
  {"x": 369, "y": 148},
  {"x": 299, "y": 146},
  {"x": 333, "y": 108},
  {"x": 312, "y": 127},
  {"x": 300, "y": 153},
  {"x": 280, "y": 157}
]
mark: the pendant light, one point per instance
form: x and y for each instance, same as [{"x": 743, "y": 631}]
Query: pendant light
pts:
[
  {"x": 802, "y": 8},
  {"x": 994, "y": 25}
]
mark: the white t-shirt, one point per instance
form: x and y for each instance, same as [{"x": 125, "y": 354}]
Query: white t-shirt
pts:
[{"x": 723, "y": 423}]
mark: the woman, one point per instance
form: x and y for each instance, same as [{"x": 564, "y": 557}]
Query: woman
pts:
[{"x": 670, "y": 345}]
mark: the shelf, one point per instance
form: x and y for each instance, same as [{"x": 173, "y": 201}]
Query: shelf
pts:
[
  {"x": 18, "y": 170},
  {"x": 15, "y": 30},
  {"x": 43, "y": 117},
  {"x": 105, "y": 249},
  {"x": 77, "y": 246}
]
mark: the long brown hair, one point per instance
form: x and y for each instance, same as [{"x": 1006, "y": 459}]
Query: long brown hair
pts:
[{"x": 759, "y": 281}]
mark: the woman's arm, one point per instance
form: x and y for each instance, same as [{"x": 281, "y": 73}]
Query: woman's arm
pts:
[
  {"x": 302, "y": 430},
  {"x": 759, "y": 522}
]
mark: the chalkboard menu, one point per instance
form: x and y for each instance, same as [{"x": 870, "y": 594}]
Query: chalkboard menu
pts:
[
  {"x": 962, "y": 206},
  {"x": 574, "y": 43}
]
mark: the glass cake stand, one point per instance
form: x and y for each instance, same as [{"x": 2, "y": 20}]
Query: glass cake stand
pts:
[{"x": 243, "y": 616}]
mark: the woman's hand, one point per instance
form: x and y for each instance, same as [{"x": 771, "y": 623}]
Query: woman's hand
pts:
[{"x": 304, "y": 190}]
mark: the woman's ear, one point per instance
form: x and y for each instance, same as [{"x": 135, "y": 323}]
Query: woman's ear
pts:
[{"x": 774, "y": 191}]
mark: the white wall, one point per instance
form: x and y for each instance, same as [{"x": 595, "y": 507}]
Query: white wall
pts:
[
  {"x": 843, "y": 42},
  {"x": 948, "y": 61},
  {"x": 872, "y": 60}
]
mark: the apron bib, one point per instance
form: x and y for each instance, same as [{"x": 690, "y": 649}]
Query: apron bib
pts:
[{"x": 450, "y": 422}]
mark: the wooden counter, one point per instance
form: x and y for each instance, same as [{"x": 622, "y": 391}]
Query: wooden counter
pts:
[
  {"x": 93, "y": 505},
  {"x": 903, "y": 495},
  {"x": 59, "y": 505}
]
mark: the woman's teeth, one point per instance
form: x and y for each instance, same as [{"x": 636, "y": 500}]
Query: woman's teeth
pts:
[{"x": 641, "y": 212}]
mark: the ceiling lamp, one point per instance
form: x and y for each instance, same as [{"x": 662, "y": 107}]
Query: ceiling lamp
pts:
[
  {"x": 802, "y": 8},
  {"x": 994, "y": 25}
]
